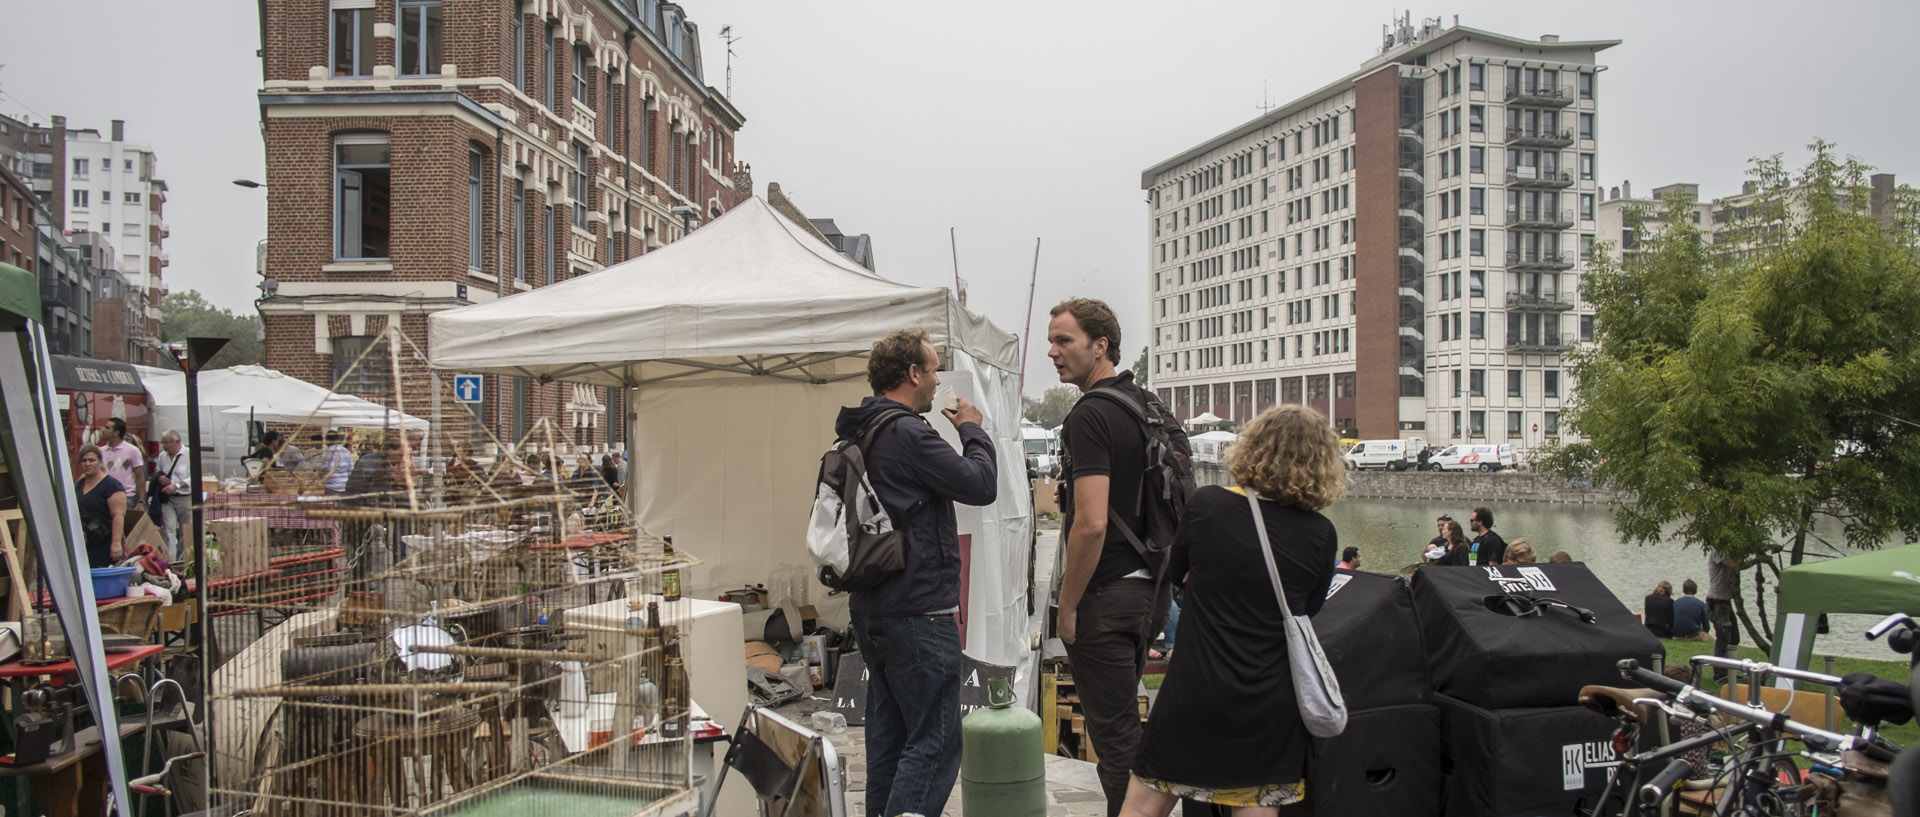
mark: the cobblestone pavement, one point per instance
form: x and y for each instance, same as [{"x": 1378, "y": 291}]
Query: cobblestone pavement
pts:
[{"x": 1073, "y": 790}]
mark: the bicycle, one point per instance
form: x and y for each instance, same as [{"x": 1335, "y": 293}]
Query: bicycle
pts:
[{"x": 1761, "y": 777}]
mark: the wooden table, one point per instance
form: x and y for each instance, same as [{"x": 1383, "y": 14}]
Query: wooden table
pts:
[
  {"x": 115, "y": 660},
  {"x": 63, "y": 784}
]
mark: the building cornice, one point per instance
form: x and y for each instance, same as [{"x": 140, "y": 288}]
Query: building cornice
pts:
[{"x": 377, "y": 98}]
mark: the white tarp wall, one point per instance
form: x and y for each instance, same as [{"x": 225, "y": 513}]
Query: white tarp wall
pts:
[{"x": 727, "y": 467}]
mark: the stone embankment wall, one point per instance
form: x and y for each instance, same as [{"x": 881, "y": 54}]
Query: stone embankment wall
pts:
[{"x": 1509, "y": 486}]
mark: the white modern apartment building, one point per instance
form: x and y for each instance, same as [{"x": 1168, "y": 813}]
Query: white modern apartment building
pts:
[
  {"x": 1400, "y": 249},
  {"x": 113, "y": 189},
  {"x": 1624, "y": 220}
]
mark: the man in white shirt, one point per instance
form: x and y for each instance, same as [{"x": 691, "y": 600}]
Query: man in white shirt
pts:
[
  {"x": 173, "y": 470},
  {"x": 123, "y": 462},
  {"x": 336, "y": 463}
]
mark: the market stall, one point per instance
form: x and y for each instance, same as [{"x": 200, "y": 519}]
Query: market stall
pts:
[
  {"x": 1877, "y": 583},
  {"x": 738, "y": 345}
]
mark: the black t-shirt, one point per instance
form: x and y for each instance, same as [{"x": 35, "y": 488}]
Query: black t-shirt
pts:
[
  {"x": 1489, "y": 549},
  {"x": 1102, "y": 438}
]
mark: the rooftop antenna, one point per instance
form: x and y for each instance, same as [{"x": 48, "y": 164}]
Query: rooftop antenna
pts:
[
  {"x": 726, "y": 36},
  {"x": 1266, "y": 103}
]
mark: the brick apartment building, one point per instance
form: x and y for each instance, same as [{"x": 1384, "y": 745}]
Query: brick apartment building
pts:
[
  {"x": 19, "y": 220},
  {"x": 422, "y": 156}
]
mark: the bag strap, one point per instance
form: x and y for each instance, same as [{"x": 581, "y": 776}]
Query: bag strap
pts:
[
  {"x": 874, "y": 425},
  {"x": 1266, "y": 550}
]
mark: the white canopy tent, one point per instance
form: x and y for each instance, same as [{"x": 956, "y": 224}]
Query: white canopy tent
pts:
[
  {"x": 230, "y": 397},
  {"x": 738, "y": 345}
]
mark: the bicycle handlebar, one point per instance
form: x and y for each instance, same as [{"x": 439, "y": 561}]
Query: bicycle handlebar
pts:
[
  {"x": 1765, "y": 668},
  {"x": 1704, "y": 703},
  {"x": 1665, "y": 782}
]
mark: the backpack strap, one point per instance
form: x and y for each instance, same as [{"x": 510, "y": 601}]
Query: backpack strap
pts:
[
  {"x": 873, "y": 426},
  {"x": 1139, "y": 412}
]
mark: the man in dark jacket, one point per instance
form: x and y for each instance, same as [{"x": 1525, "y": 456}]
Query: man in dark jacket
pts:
[{"x": 906, "y": 625}]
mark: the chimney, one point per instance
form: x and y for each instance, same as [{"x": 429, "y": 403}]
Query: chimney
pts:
[
  {"x": 119, "y": 130},
  {"x": 1549, "y": 38},
  {"x": 743, "y": 180},
  {"x": 1626, "y": 190},
  {"x": 1616, "y": 192},
  {"x": 59, "y": 122}
]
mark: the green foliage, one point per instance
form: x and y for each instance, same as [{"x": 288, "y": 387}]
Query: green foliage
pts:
[
  {"x": 1140, "y": 370},
  {"x": 187, "y": 314},
  {"x": 1051, "y": 409},
  {"x": 1738, "y": 388}
]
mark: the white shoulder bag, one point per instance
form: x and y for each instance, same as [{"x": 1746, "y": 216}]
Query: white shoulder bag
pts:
[{"x": 1321, "y": 707}]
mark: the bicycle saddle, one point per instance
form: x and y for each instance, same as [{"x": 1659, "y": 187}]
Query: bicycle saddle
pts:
[{"x": 1618, "y": 703}]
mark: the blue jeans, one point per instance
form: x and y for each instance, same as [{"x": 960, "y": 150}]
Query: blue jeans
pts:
[
  {"x": 1173, "y": 621},
  {"x": 913, "y": 711}
]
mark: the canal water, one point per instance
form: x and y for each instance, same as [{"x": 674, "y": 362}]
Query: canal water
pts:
[{"x": 1391, "y": 533}]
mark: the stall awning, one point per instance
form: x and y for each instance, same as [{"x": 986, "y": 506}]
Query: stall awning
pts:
[{"x": 87, "y": 374}]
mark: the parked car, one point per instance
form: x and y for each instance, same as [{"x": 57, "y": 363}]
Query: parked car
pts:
[
  {"x": 1474, "y": 458},
  {"x": 1390, "y": 455}
]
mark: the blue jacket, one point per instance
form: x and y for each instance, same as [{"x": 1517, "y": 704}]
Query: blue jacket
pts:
[{"x": 918, "y": 477}]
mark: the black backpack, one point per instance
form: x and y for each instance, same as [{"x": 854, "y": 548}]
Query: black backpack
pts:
[
  {"x": 1168, "y": 480},
  {"x": 854, "y": 544}
]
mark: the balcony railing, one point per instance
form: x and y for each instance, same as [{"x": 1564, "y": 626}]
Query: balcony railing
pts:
[
  {"x": 1539, "y": 259},
  {"x": 1539, "y": 217},
  {"x": 1413, "y": 162},
  {"x": 1535, "y": 343},
  {"x": 1529, "y": 176},
  {"x": 1555, "y": 95},
  {"x": 1529, "y": 300},
  {"x": 1547, "y": 137}
]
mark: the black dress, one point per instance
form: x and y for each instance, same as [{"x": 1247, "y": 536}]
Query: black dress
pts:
[
  {"x": 96, "y": 518},
  {"x": 1658, "y": 615},
  {"x": 1226, "y": 715}
]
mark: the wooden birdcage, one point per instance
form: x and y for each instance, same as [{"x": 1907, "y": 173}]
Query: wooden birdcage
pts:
[{"x": 418, "y": 659}]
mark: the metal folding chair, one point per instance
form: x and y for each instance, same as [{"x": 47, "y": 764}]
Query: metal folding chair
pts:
[{"x": 786, "y": 763}]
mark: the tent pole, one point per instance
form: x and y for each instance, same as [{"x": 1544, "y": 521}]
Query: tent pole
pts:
[{"x": 1026, "y": 329}]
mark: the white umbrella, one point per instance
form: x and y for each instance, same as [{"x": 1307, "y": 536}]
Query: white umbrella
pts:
[{"x": 1205, "y": 418}]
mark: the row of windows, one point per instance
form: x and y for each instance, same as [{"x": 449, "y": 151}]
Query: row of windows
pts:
[
  {"x": 1324, "y": 132},
  {"x": 1476, "y": 382},
  {"x": 417, "y": 27},
  {"x": 1520, "y": 79},
  {"x": 84, "y": 198},
  {"x": 1516, "y": 421}
]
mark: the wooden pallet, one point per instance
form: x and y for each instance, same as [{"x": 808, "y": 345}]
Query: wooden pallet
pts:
[{"x": 1063, "y": 723}]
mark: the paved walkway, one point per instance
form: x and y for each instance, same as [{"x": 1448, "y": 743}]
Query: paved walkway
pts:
[{"x": 1073, "y": 790}]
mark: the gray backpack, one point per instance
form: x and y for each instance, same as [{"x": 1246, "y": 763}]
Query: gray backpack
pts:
[{"x": 853, "y": 543}]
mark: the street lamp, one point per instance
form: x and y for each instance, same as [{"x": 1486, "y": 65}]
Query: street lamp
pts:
[
  {"x": 192, "y": 354},
  {"x": 249, "y": 184},
  {"x": 687, "y": 215}
]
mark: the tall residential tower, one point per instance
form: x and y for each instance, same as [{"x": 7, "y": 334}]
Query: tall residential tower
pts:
[{"x": 1400, "y": 249}]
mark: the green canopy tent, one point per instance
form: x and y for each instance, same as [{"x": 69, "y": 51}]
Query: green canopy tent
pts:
[{"x": 1877, "y": 583}]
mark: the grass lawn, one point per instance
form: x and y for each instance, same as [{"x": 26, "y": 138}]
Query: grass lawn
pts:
[{"x": 1680, "y": 651}]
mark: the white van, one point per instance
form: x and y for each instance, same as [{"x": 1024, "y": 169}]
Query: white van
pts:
[
  {"x": 1038, "y": 445},
  {"x": 1474, "y": 458},
  {"x": 1390, "y": 455}
]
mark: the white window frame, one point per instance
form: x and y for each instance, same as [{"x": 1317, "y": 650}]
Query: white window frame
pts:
[
  {"x": 339, "y": 196},
  {"x": 363, "y": 11},
  {"x": 400, "y": 34}
]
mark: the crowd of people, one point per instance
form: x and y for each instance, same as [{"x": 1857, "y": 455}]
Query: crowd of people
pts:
[
  {"x": 115, "y": 483},
  {"x": 1452, "y": 547}
]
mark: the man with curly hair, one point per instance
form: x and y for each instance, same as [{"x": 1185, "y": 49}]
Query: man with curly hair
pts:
[{"x": 906, "y": 625}]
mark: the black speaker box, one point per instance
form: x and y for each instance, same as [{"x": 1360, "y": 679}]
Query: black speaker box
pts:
[
  {"x": 1522, "y": 762},
  {"x": 1498, "y": 660},
  {"x": 1387, "y": 763},
  {"x": 1371, "y": 638}
]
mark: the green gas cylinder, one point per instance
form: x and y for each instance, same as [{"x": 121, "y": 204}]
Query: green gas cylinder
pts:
[{"x": 1002, "y": 770}]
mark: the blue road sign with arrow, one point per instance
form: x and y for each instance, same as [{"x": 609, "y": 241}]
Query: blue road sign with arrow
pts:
[{"x": 466, "y": 388}]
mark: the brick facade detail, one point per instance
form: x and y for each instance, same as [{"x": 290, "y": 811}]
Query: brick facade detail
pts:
[{"x": 657, "y": 143}]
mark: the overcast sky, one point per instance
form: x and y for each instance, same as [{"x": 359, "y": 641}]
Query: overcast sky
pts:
[{"x": 1013, "y": 122}]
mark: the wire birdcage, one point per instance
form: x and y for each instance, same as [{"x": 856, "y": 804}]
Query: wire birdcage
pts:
[{"x": 464, "y": 630}]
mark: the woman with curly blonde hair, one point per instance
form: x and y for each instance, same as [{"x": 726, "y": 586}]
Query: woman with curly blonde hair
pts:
[{"x": 1233, "y": 661}]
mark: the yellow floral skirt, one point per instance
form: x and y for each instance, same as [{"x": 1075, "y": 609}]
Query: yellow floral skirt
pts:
[{"x": 1277, "y": 794}]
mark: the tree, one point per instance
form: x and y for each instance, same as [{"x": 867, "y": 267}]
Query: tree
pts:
[
  {"x": 1741, "y": 388},
  {"x": 1051, "y": 409},
  {"x": 187, "y": 314},
  {"x": 1140, "y": 369}
]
